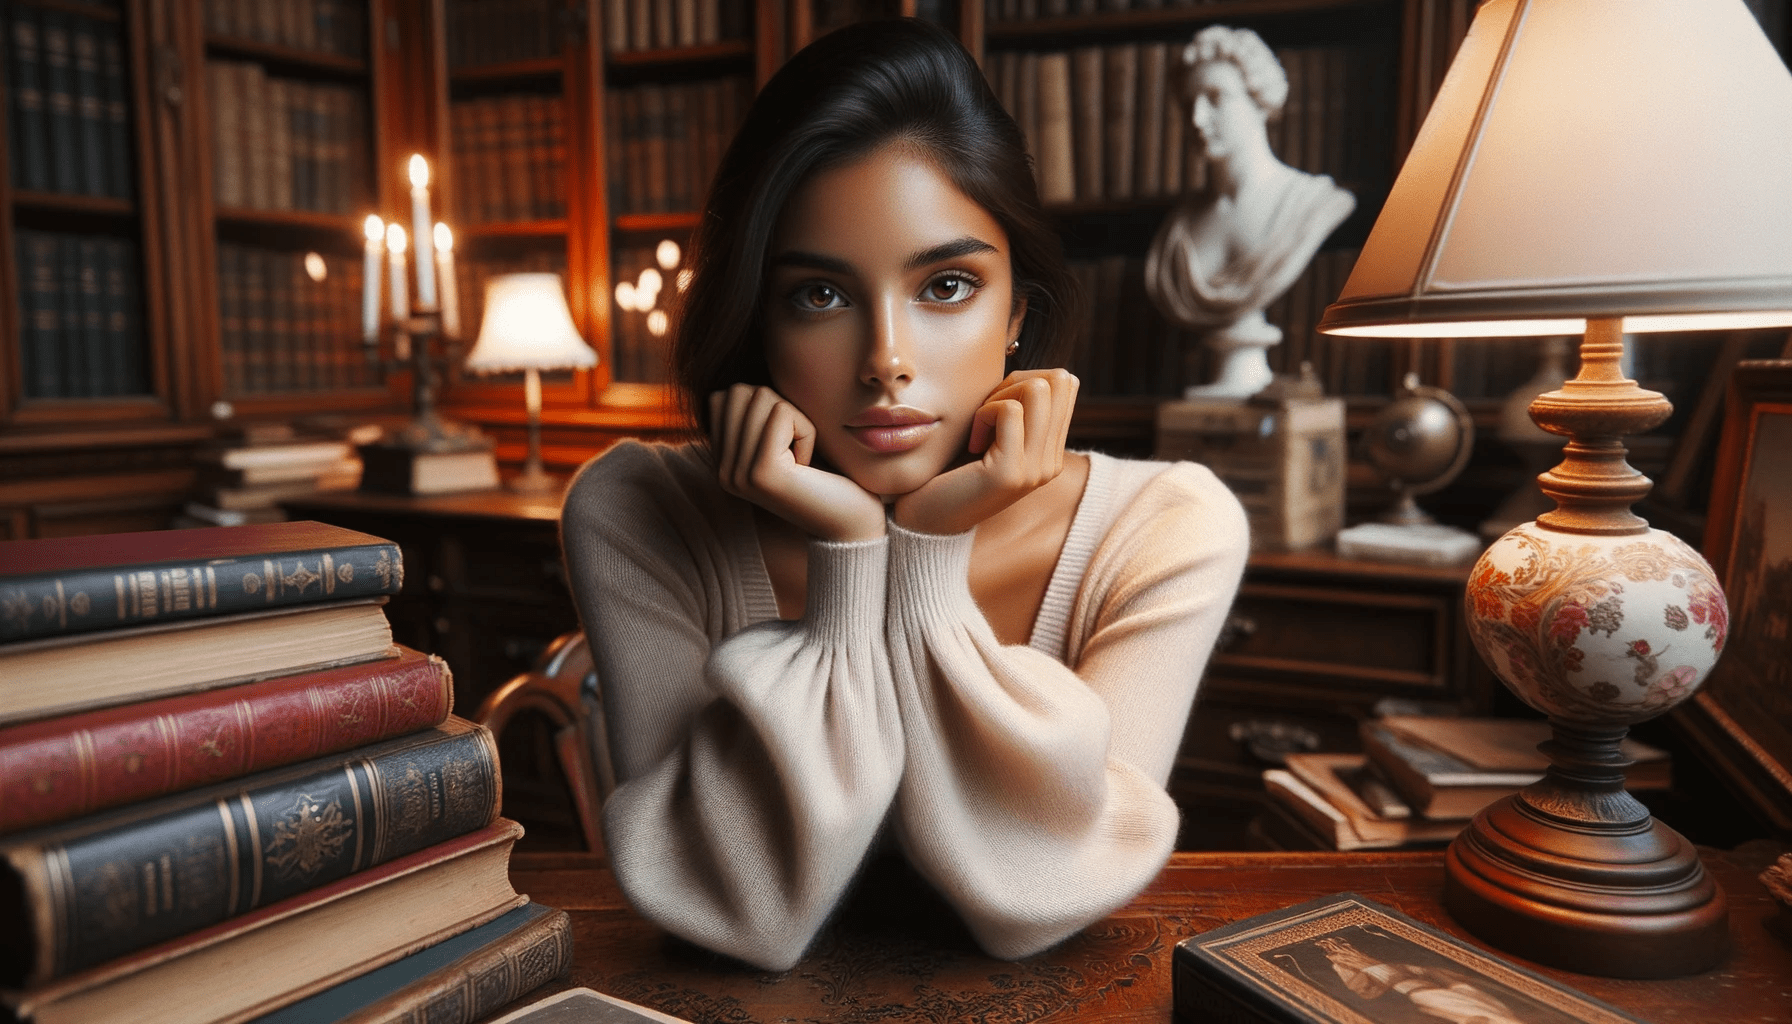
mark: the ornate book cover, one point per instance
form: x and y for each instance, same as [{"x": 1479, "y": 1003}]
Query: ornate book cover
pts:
[
  {"x": 63, "y": 768},
  {"x": 1346, "y": 960},
  {"x": 102, "y": 887},
  {"x": 586, "y": 1006},
  {"x": 80, "y": 584}
]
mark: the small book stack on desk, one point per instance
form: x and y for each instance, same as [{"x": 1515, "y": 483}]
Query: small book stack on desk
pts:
[
  {"x": 224, "y": 790},
  {"x": 1418, "y": 782},
  {"x": 244, "y": 479}
]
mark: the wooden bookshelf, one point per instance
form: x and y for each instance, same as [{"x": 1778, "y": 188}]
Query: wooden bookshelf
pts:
[
  {"x": 509, "y": 71},
  {"x": 1141, "y": 22},
  {"x": 726, "y": 51},
  {"x": 286, "y": 58},
  {"x": 68, "y": 202},
  {"x": 650, "y": 223}
]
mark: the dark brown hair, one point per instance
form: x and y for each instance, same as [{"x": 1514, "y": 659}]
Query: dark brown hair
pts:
[{"x": 838, "y": 99}]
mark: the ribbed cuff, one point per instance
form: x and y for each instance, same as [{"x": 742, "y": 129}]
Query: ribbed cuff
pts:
[
  {"x": 847, "y": 580},
  {"x": 930, "y": 573}
]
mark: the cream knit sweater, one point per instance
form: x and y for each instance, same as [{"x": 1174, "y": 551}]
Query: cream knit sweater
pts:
[{"x": 757, "y": 759}]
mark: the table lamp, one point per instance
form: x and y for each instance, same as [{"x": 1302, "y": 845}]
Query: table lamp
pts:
[
  {"x": 527, "y": 327},
  {"x": 1596, "y": 167}
]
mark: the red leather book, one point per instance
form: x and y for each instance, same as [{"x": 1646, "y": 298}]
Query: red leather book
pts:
[{"x": 61, "y": 768}]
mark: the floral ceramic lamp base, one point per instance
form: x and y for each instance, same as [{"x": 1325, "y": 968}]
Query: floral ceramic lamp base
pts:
[{"x": 1599, "y": 622}]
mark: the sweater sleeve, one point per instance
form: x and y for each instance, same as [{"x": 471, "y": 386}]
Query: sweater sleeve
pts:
[
  {"x": 755, "y": 767},
  {"x": 1034, "y": 792}
]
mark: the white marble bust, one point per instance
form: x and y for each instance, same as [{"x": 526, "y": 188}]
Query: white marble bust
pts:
[{"x": 1228, "y": 250}]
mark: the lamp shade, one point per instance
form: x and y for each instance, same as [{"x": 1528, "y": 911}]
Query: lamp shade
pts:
[
  {"x": 527, "y": 327},
  {"x": 1590, "y": 158}
]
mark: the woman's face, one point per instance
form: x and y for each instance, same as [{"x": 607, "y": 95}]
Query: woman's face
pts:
[
  {"x": 1224, "y": 115},
  {"x": 888, "y": 310}
]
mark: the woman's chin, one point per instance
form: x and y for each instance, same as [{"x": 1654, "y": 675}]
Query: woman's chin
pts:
[{"x": 890, "y": 476}]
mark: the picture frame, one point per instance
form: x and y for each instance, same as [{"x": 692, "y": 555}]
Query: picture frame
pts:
[
  {"x": 1344, "y": 959},
  {"x": 1741, "y": 718}
]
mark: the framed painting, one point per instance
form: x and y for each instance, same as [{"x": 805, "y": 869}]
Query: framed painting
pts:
[{"x": 1742, "y": 716}]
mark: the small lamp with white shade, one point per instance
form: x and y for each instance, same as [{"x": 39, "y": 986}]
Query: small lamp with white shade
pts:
[
  {"x": 528, "y": 327},
  {"x": 1605, "y": 166}
]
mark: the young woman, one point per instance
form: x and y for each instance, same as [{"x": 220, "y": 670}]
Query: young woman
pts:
[{"x": 883, "y": 607}]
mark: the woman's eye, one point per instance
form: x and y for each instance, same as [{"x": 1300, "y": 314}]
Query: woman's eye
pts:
[
  {"x": 949, "y": 289},
  {"x": 817, "y": 297}
]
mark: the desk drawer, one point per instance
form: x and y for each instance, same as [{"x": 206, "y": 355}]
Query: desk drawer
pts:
[{"x": 1361, "y": 640}]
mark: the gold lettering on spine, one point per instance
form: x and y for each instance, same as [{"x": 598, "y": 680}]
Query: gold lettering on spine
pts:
[
  {"x": 376, "y": 800},
  {"x": 211, "y": 586},
  {"x": 60, "y": 885},
  {"x": 118, "y": 588},
  {"x": 61, "y": 606},
  {"x": 146, "y": 594},
  {"x": 321, "y": 732},
  {"x": 168, "y": 730},
  {"x": 236, "y": 863},
  {"x": 272, "y": 576},
  {"x": 329, "y": 574},
  {"x": 86, "y": 759},
  {"x": 354, "y": 790},
  {"x": 245, "y": 725},
  {"x": 254, "y": 851},
  {"x": 167, "y": 882}
]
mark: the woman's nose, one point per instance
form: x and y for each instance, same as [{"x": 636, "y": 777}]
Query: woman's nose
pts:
[{"x": 889, "y": 358}]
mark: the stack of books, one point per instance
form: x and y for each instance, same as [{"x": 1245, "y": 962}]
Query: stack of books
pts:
[
  {"x": 1419, "y": 781},
  {"x": 224, "y": 790},
  {"x": 244, "y": 478}
]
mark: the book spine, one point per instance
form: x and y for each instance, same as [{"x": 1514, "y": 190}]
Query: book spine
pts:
[
  {"x": 70, "y": 318},
  {"x": 96, "y": 894},
  {"x": 30, "y": 139},
  {"x": 90, "y": 106},
  {"x": 52, "y": 604},
  {"x": 59, "y": 103},
  {"x": 100, "y": 364},
  {"x": 479, "y": 984},
  {"x": 42, "y": 312},
  {"x": 64, "y": 768},
  {"x": 118, "y": 134},
  {"x": 1057, "y": 173}
]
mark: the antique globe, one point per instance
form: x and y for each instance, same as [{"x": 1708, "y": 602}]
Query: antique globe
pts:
[{"x": 1420, "y": 441}]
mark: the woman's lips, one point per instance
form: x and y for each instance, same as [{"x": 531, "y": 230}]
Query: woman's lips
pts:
[
  {"x": 892, "y": 428},
  {"x": 895, "y": 437}
]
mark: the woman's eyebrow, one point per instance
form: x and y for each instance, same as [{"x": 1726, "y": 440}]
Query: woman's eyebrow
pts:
[
  {"x": 948, "y": 251},
  {"x": 812, "y": 261}
]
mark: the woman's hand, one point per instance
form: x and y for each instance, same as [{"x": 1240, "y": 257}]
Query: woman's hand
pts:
[
  {"x": 763, "y": 446},
  {"x": 1020, "y": 431}
]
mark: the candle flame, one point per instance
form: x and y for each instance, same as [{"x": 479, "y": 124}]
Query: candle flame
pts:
[
  {"x": 375, "y": 227},
  {"x": 395, "y": 237},
  {"x": 444, "y": 237},
  {"x": 419, "y": 171}
]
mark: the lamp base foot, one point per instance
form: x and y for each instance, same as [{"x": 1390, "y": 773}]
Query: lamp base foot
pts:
[
  {"x": 532, "y": 480},
  {"x": 1618, "y": 899}
]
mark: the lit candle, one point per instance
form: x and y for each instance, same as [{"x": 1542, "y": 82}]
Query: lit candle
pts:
[
  {"x": 370, "y": 281},
  {"x": 401, "y": 294},
  {"x": 420, "y": 220},
  {"x": 450, "y": 288}
]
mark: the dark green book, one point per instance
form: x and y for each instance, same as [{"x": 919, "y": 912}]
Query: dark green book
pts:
[
  {"x": 90, "y": 106},
  {"x": 118, "y": 134},
  {"x": 59, "y": 102},
  {"x": 79, "y": 584},
  {"x": 40, "y": 311},
  {"x": 77, "y": 895},
  {"x": 30, "y": 133}
]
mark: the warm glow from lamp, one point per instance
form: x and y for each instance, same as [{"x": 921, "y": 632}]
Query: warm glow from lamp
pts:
[
  {"x": 419, "y": 171},
  {"x": 528, "y": 327}
]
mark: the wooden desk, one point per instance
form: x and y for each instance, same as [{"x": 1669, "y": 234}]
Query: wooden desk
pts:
[{"x": 895, "y": 954}]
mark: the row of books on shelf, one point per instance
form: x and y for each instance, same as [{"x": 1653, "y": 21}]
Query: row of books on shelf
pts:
[
  {"x": 1107, "y": 123},
  {"x": 499, "y": 31},
  {"x": 212, "y": 755},
  {"x": 665, "y": 24},
  {"x": 1125, "y": 347},
  {"x": 666, "y": 141},
  {"x": 1419, "y": 780},
  {"x": 80, "y": 316},
  {"x": 69, "y": 117},
  {"x": 283, "y": 144},
  {"x": 289, "y": 321},
  {"x": 509, "y": 158},
  {"x": 336, "y": 27}
]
